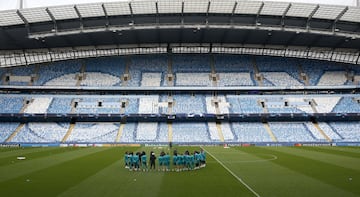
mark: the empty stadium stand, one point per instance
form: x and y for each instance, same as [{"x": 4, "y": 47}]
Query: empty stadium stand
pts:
[{"x": 199, "y": 71}]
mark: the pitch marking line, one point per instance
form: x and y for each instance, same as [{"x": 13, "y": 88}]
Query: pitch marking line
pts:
[{"x": 232, "y": 173}]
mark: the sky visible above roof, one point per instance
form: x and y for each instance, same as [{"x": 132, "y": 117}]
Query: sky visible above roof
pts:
[{"x": 14, "y": 4}]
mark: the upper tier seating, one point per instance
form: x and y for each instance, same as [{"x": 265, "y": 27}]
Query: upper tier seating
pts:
[
  {"x": 9, "y": 104},
  {"x": 55, "y": 70},
  {"x": 189, "y": 104},
  {"x": 187, "y": 70}
]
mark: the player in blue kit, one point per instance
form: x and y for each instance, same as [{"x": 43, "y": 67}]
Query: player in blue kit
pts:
[
  {"x": 192, "y": 161},
  {"x": 175, "y": 158},
  {"x": 161, "y": 161},
  {"x": 135, "y": 160},
  {"x": 197, "y": 159},
  {"x": 143, "y": 161},
  {"x": 167, "y": 161},
  {"x": 180, "y": 162},
  {"x": 202, "y": 158},
  {"x": 127, "y": 160}
]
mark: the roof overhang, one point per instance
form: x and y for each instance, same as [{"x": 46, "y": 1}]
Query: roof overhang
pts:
[{"x": 181, "y": 21}]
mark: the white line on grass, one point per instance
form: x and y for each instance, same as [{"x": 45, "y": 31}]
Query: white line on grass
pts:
[{"x": 232, "y": 173}]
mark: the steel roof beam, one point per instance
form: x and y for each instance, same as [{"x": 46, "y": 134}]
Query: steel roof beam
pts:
[
  {"x": 52, "y": 18},
  {"x": 311, "y": 15},
  {"x": 353, "y": 35},
  {"x": 338, "y": 17},
  {"x": 258, "y": 14},
  {"x": 22, "y": 17},
  {"x": 157, "y": 14},
  {"x": 80, "y": 17},
  {"x": 233, "y": 12},
  {"x": 207, "y": 12},
  {"x": 284, "y": 14},
  {"x": 106, "y": 15},
  {"x": 182, "y": 12}
]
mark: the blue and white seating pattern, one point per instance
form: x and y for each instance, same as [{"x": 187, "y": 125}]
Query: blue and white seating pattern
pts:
[
  {"x": 96, "y": 79},
  {"x": 280, "y": 79},
  {"x": 93, "y": 132},
  {"x": 192, "y": 79},
  {"x": 315, "y": 132},
  {"x": 226, "y": 131},
  {"x": 233, "y": 64},
  {"x": 55, "y": 70},
  {"x": 349, "y": 131},
  {"x": 331, "y": 78},
  {"x": 149, "y": 105},
  {"x": 190, "y": 132},
  {"x": 39, "y": 105},
  {"x": 213, "y": 131},
  {"x": 6, "y": 129},
  {"x": 348, "y": 105},
  {"x": 146, "y": 131},
  {"x": 326, "y": 104},
  {"x": 146, "y": 64},
  {"x": 291, "y": 132},
  {"x": 61, "y": 105},
  {"x": 235, "y": 79},
  {"x": 189, "y": 104},
  {"x": 108, "y": 65},
  {"x": 151, "y": 79},
  {"x": 163, "y": 133},
  {"x": 244, "y": 104},
  {"x": 191, "y": 64},
  {"x": 329, "y": 131},
  {"x": 64, "y": 80},
  {"x": 128, "y": 133},
  {"x": 40, "y": 133},
  {"x": 11, "y": 104},
  {"x": 250, "y": 132}
]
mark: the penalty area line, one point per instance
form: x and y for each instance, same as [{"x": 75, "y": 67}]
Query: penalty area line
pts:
[{"x": 232, "y": 173}]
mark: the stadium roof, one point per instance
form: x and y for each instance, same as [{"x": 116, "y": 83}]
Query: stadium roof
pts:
[{"x": 181, "y": 21}]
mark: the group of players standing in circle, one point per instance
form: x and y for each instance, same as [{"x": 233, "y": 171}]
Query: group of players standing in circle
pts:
[{"x": 180, "y": 161}]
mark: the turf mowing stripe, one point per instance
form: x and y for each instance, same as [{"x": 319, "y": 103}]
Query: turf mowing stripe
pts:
[
  {"x": 19, "y": 169},
  {"x": 55, "y": 179},
  {"x": 340, "y": 160},
  {"x": 232, "y": 173},
  {"x": 21, "y": 151},
  {"x": 33, "y": 155},
  {"x": 333, "y": 151},
  {"x": 272, "y": 179},
  {"x": 354, "y": 150},
  {"x": 335, "y": 175},
  {"x": 115, "y": 180}
]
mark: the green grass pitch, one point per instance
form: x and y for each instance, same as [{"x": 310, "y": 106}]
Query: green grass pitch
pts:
[{"x": 235, "y": 171}]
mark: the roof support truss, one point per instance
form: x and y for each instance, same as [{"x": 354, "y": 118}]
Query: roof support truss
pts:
[
  {"x": 26, "y": 22},
  {"x": 311, "y": 15},
  {"x": 258, "y": 14},
  {"x": 339, "y": 17},
  {"x": 106, "y": 15},
  {"x": 52, "y": 18},
  {"x": 80, "y": 17},
  {"x": 233, "y": 12},
  {"x": 284, "y": 15}
]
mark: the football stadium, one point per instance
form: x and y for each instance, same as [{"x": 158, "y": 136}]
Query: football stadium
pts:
[{"x": 180, "y": 98}]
